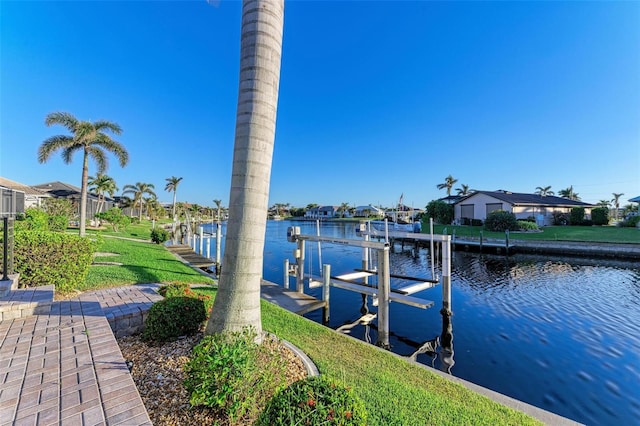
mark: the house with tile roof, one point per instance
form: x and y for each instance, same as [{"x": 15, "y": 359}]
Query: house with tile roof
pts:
[
  {"x": 72, "y": 193},
  {"x": 15, "y": 197},
  {"x": 541, "y": 207}
]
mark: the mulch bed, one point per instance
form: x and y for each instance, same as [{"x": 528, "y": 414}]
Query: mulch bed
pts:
[{"x": 158, "y": 374}]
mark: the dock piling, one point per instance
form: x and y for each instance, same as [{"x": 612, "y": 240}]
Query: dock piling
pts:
[
  {"x": 285, "y": 281},
  {"x": 218, "y": 243},
  {"x": 326, "y": 283},
  {"x": 446, "y": 337},
  {"x": 300, "y": 266},
  {"x": 384, "y": 284}
]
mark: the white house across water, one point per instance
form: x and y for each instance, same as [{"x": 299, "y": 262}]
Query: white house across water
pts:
[{"x": 541, "y": 207}]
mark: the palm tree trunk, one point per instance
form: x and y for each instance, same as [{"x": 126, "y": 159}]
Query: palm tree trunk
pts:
[
  {"x": 83, "y": 194},
  {"x": 237, "y": 304},
  {"x": 173, "y": 212}
]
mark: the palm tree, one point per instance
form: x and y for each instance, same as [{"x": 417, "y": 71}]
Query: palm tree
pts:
[
  {"x": 101, "y": 185},
  {"x": 237, "y": 303},
  {"x": 126, "y": 203},
  {"x": 544, "y": 190},
  {"x": 152, "y": 206},
  {"x": 616, "y": 202},
  {"x": 218, "y": 204},
  {"x": 604, "y": 203},
  {"x": 172, "y": 186},
  {"x": 463, "y": 190},
  {"x": 449, "y": 181},
  {"x": 138, "y": 190},
  {"x": 568, "y": 193},
  {"x": 344, "y": 208},
  {"x": 92, "y": 139}
]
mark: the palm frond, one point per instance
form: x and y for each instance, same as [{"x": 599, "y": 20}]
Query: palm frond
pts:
[
  {"x": 63, "y": 118},
  {"x": 98, "y": 156},
  {"x": 67, "y": 152},
  {"x": 52, "y": 144},
  {"x": 104, "y": 125},
  {"x": 114, "y": 147}
]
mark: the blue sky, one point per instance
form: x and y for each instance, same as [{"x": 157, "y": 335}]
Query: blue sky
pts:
[{"x": 377, "y": 99}]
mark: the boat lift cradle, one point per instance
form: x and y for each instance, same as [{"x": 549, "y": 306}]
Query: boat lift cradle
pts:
[{"x": 384, "y": 292}]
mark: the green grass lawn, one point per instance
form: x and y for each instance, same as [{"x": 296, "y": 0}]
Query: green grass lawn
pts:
[
  {"x": 140, "y": 231},
  {"x": 141, "y": 263},
  {"x": 612, "y": 234},
  {"x": 395, "y": 391}
]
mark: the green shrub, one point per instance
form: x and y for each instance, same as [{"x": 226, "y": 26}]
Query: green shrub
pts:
[
  {"x": 60, "y": 212},
  {"x": 560, "y": 219},
  {"x": 184, "y": 290},
  {"x": 43, "y": 258},
  {"x": 500, "y": 221},
  {"x": 576, "y": 217},
  {"x": 174, "y": 317},
  {"x": 630, "y": 222},
  {"x": 440, "y": 211},
  {"x": 159, "y": 235},
  {"x": 175, "y": 290},
  {"x": 58, "y": 223},
  {"x": 600, "y": 216},
  {"x": 35, "y": 219},
  {"x": 115, "y": 217},
  {"x": 231, "y": 373},
  {"x": 314, "y": 401},
  {"x": 58, "y": 207},
  {"x": 525, "y": 225}
]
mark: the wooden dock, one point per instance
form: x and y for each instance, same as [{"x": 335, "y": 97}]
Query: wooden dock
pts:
[
  {"x": 298, "y": 303},
  {"x": 482, "y": 245},
  {"x": 187, "y": 254}
]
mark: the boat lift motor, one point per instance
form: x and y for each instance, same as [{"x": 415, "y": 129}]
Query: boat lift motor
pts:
[{"x": 292, "y": 233}]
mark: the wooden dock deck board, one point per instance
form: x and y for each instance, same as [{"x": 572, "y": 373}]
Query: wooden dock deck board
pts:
[
  {"x": 188, "y": 255},
  {"x": 293, "y": 301}
]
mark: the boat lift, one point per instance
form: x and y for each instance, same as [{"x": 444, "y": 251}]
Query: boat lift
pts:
[{"x": 357, "y": 281}]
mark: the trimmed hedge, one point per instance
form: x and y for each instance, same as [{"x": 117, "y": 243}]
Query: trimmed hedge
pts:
[
  {"x": 576, "y": 217},
  {"x": 159, "y": 235},
  {"x": 500, "y": 221},
  {"x": 43, "y": 258},
  {"x": 440, "y": 211},
  {"x": 314, "y": 401},
  {"x": 525, "y": 225},
  {"x": 600, "y": 216},
  {"x": 174, "y": 317}
]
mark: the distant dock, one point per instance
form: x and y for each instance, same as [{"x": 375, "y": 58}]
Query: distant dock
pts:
[
  {"x": 417, "y": 240},
  {"x": 188, "y": 255}
]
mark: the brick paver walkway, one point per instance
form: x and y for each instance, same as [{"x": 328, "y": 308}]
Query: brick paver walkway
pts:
[{"x": 64, "y": 366}]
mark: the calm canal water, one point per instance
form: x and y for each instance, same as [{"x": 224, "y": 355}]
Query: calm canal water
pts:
[{"x": 562, "y": 334}]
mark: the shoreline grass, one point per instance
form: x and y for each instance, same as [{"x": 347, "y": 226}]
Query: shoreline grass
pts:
[{"x": 395, "y": 392}]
